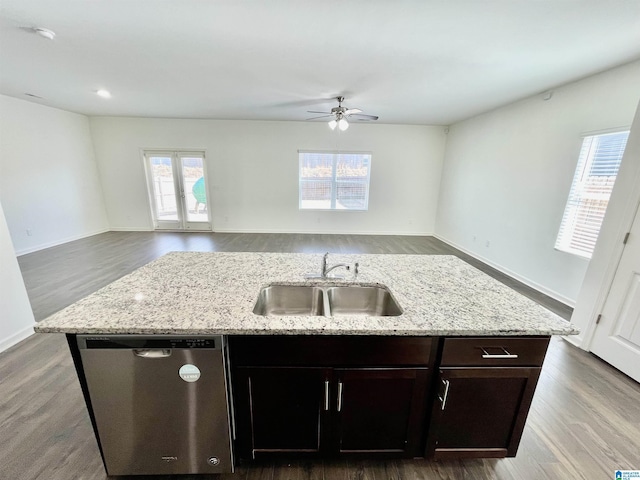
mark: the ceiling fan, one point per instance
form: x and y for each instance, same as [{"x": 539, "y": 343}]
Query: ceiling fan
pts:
[{"x": 340, "y": 114}]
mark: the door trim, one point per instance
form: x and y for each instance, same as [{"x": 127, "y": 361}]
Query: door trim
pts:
[{"x": 605, "y": 287}]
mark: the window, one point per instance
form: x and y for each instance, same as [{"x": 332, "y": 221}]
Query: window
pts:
[
  {"x": 334, "y": 181},
  {"x": 598, "y": 165}
]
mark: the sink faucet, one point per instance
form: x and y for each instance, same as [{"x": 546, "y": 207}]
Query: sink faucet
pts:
[{"x": 326, "y": 270}]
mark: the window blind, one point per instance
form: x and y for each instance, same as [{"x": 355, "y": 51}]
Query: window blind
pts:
[{"x": 598, "y": 165}]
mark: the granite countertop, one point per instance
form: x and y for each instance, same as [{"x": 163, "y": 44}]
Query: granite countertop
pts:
[{"x": 214, "y": 293}]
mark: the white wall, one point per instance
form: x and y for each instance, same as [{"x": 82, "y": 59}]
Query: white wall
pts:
[
  {"x": 49, "y": 179},
  {"x": 507, "y": 174},
  {"x": 253, "y": 172},
  {"x": 618, "y": 220},
  {"x": 17, "y": 318}
]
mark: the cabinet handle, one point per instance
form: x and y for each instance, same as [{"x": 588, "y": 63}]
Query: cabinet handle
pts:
[
  {"x": 339, "y": 396},
  {"x": 326, "y": 395},
  {"x": 443, "y": 398},
  {"x": 506, "y": 354}
]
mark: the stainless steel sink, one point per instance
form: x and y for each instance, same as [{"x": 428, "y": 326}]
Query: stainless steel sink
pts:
[
  {"x": 290, "y": 300},
  {"x": 326, "y": 300},
  {"x": 356, "y": 300}
]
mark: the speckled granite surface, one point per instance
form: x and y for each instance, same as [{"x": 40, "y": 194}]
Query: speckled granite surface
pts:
[{"x": 214, "y": 293}]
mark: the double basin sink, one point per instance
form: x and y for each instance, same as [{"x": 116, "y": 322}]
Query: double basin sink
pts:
[{"x": 326, "y": 301}]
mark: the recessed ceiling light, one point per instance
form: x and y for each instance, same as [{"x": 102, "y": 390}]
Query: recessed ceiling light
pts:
[
  {"x": 45, "y": 32},
  {"x": 103, "y": 93}
]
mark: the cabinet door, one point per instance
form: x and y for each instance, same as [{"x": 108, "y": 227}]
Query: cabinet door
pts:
[
  {"x": 281, "y": 410},
  {"x": 480, "y": 412},
  {"x": 380, "y": 411}
]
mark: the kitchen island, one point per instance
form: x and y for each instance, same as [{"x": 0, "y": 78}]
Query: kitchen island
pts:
[{"x": 453, "y": 375}]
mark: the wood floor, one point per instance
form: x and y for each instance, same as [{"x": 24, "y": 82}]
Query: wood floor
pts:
[{"x": 584, "y": 422}]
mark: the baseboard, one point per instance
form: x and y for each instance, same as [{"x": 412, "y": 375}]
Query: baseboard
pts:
[
  {"x": 317, "y": 232},
  {"x": 575, "y": 340},
  {"x": 131, "y": 229},
  {"x": 536, "y": 286},
  {"x": 269, "y": 230},
  {"x": 42, "y": 246},
  {"x": 16, "y": 337}
]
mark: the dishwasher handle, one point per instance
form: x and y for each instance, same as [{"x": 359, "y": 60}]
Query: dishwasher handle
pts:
[{"x": 152, "y": 352}]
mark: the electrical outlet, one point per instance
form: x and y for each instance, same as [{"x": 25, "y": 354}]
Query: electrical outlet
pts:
[
  {"x": 488, "y": 244},
  {"x": 475, "y": 237},
  {"x": 29, "y": 232}
]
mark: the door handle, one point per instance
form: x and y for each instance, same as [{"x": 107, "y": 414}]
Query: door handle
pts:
[
  {"x": 443, "y": 398},
  {"x": 339, "y": 396},
  {"x": 152, "y": 352},
  {"x": 326, "y": 395}
]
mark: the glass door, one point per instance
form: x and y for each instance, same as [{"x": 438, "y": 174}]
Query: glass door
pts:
[{"x": 177, "y": 190}]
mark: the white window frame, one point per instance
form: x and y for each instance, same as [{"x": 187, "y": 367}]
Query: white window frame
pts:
[
  {"x": 587, "y": 202},
  {"x": 334, "y": 180}
]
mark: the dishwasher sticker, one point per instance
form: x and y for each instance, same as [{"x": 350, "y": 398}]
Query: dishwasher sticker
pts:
[{"x": 189, "y": 373}]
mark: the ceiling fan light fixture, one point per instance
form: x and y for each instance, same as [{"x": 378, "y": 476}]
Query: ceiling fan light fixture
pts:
[
  {"x": 339, "y": 115},
  {"x": 45, "y": 32}
]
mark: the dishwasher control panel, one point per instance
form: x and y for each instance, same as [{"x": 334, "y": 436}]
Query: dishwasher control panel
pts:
[{"x": 143, "y": 341}]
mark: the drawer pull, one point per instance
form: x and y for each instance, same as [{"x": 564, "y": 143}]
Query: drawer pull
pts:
[
  {"x": 506, "y": 353},
  {"x": 339, "y": 396},
  {"x": 443, "y": 398}
]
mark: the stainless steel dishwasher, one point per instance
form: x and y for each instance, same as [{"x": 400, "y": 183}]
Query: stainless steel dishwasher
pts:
[{"x": 160, "y": 403}]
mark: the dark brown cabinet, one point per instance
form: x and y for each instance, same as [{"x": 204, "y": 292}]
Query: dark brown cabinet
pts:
[
  {"x": 282, "y": 409},
  {"x": 379, "y": 397},
  {"x": 352, "y": 404},
  {"x": 380, "y": 411},
  {"x": 484, "y": 390}
]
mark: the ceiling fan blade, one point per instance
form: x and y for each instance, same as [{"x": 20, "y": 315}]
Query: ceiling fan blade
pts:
[
  {"x": 368, "y": 117},
  {"x": 352, "y": 111},
  {"x": 314, "y": 111},
  {"x": 315, "y": 118}
]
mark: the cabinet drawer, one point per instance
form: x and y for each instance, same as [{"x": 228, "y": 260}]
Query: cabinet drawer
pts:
[
  {"x": 494, "y": 351},
  {"x": 330, "y": 351}
]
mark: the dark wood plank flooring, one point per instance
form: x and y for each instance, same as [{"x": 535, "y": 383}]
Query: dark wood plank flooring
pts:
[{"x": 584, "y": 421}]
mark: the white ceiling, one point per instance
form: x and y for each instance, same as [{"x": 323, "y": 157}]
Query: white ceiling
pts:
[{"x": 413, "y": 62}]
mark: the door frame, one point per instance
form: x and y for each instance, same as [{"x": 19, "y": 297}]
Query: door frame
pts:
[
  {"x": 176, "y": 154},
  {"x": 622, "y": 356}
]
